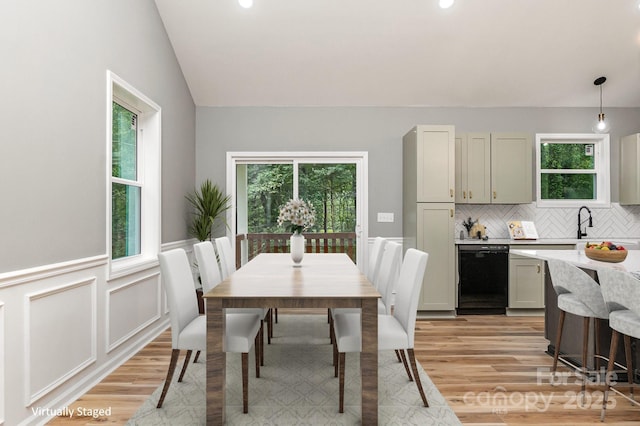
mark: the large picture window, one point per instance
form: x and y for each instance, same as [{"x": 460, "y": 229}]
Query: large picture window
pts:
[
  {"x": 572, "y": 170},
  {"x": 133, "y": 200}
]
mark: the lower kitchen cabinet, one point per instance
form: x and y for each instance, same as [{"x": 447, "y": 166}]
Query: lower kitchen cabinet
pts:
[
  {"x": 435, "y": 235},
  {"x": 526, "y": 283}
]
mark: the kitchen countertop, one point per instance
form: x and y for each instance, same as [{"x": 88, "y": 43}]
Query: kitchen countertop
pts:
[
  {"x": 578, "y": 258},
  {"x": 542, "y": 241}
]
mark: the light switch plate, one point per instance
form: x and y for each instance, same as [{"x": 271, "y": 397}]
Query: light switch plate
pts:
[{"x": 385, "y": 217}]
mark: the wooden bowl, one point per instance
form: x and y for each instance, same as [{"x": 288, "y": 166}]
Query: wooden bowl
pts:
[{"x": 613, "y": 256}]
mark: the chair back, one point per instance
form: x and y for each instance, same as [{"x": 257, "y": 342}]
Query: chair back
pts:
[
  {"x": 178, "y": 284},
  {"x": 567, "y": 278},
  {"x": 227, "y": 258},
  {"x": 207, "y": 265},
  {"x": 374, "y": 259},
  {"x": 621, "y": 290},
  {"x": 389, "y": 272},
  {"x": 408, "y": 290}
]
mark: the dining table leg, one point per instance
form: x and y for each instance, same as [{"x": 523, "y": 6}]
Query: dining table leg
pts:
[
  {"x": 369, "y": 361},
  {"x": 216, "y": 362}
]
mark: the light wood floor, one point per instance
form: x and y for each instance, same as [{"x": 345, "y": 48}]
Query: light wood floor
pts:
[{"x": 491, "y": 369}]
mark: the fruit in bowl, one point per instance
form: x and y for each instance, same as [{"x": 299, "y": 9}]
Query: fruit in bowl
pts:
[{"x": 606, "y": 251}]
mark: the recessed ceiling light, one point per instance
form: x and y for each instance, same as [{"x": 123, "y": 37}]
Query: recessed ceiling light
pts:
[
  {"x": 445, "y": 4},
  {"x": 247, "y": 4}
]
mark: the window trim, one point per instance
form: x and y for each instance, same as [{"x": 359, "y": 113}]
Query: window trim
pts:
[
  {"x": 602, "y": 168},
  {"x": 149, "y": 170}
]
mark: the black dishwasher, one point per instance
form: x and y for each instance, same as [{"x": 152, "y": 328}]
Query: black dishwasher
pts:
[{"x": 483, "y": 270}]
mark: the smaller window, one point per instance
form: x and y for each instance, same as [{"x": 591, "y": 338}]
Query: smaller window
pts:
[{"x": 572, "y": 170}]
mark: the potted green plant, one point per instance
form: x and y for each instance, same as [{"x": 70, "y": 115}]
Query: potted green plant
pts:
[{"x": 209, "y": 203}]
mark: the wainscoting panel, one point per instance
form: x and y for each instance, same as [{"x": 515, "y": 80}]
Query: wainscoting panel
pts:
[
  {"x": 2, "y": 346},
  {"x": 60, "y": 335},
  {"x": 131, "y": 307}
]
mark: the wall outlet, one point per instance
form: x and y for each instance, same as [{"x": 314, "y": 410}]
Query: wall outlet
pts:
[{"x": 385, "y": 217}]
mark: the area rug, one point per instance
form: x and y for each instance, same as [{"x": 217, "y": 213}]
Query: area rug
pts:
[{"x": 297, "y": 387}]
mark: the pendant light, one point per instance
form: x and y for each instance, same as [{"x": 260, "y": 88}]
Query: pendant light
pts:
[{"x": 600, "y": 125}]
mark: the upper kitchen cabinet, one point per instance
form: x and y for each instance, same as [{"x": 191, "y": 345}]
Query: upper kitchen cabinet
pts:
[
  {"x": 429, "y": 155},
  {"x": 511, "y": 168},
  {"x": 473, "y": 168},
  {"x": 630, "y": 169}
]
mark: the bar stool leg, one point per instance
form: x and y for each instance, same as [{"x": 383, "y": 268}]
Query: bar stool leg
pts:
[
  {"x": 556, "y": 352},
  {"x": 607, "y": 378},
  {"x": 585, "y": 350},
  {"x": 627, "y": 352}
]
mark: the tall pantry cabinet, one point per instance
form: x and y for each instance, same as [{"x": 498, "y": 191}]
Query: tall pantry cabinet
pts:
[{"x": 429, "y": 210}]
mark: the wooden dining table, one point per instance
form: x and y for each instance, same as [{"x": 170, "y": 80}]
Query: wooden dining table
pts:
[{"x": 270, "y": 280}]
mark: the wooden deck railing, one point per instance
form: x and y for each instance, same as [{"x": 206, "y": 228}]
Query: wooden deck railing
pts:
[{"x": 332, "y": 242}]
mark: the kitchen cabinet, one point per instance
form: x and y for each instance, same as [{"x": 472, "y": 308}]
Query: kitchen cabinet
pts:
[
  {"x": 429, "y": 210},
  {"x": 526, "y": 283},
  {"x": 473, "y": 168},
  {"x": 630, "y": 169},
  {"x": 493, "y": 168},
  {"x": 527, "y": 277},
  {"x": 429, "y": 158},
  {"x": 511, "y": 168},
  {"x": 435, "y": 235}
]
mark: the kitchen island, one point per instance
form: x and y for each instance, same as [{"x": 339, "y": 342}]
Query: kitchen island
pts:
[{"x": 572, "y": 334}]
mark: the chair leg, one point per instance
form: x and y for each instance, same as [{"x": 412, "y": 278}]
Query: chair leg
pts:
[
  {"x": 406, "y": 365},
  {"x": 257, "y": 350},
  {"x": 627, "y": 353},
  {"x": 331, "y": 333},
  {"x": 184, "y": 366},
  {"x": 245, "y": 382},
  {"x": 585, "y": 350},
  {"x": 607, "y": 378},
  {"x": 260, "y": 341},
  {"x": 341, "y": 360},
  {"x": 596, "y": 335},
  {"x": 556, "y": 352},
  {"x": 329, "y": 315},
  {"x": 336, "y": 361},
  {"x": 414, "y": 366},
  {"x": 195, "y": 358},
  {"x": 276, "y": 312},
  {"x": 175, "y": 353},
  {"x": 398, "y": 355},
  {"x": 269, "y": 327}
]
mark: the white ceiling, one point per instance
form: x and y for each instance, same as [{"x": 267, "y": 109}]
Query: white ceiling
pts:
[{"x": 479, "y": 53}]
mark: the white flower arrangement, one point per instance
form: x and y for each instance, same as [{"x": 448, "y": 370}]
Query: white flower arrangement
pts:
[{"x": 297, "y": 215}]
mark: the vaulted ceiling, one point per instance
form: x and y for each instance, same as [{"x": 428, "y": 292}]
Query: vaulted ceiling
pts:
[{"x": 478, "y": 53}]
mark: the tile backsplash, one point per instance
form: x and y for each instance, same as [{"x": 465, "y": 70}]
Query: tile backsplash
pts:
[{"x": 615, "y": 222}]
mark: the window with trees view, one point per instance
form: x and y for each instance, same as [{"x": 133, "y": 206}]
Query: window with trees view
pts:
[
  {"x": 331, "y": 188},
  {"x": 572, "y": 169},
  {"x": 134, "y": 175},
  {"x": 334, "y": 182}
]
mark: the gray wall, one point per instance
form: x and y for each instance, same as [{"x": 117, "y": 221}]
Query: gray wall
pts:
[
  {"x": 379, "y": 131},
  {"x": 53, "y": 149}
]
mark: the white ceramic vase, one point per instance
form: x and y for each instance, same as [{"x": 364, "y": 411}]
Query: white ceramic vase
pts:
[{"x": 297, "y": 248}]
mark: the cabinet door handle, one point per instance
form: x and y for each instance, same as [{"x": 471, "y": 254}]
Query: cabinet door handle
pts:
[
  {"x": 451, "y": 212},
  {"x": 464, "y": 195},
  {"x": 494, "y": 195},
  {"x": 538, "y": 268},
  {"x": 451, "y": 193},
  {"x": 470, "y": 195}
]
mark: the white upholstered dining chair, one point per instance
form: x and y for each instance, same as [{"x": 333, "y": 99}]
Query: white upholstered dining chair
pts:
[
  {"x": 188, "y": 327},
  {"x": 395, "y": 332},
  {"x": 210, "y": 277}
]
